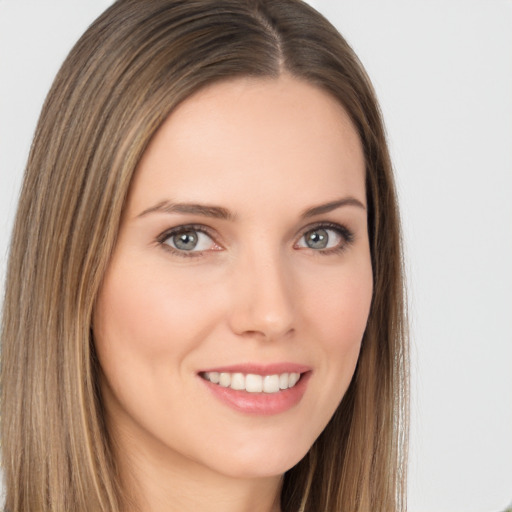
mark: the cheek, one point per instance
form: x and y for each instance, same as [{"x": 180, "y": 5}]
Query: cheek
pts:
[
  {"x": 145, "y": 326},
  {"x": 148, "y": 311},
  {"x": 339, "y": 317},
  {"x": 336, "y": 316},
  {"x": 339, "y": 310}
]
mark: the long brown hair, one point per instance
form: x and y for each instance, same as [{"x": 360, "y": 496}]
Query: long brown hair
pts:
[{"x": 126, "y": 74}]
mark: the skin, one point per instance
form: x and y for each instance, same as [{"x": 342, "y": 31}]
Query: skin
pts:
[{"x": 266, "y": 150}]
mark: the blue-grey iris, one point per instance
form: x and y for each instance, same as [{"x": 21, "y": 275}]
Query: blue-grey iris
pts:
[
  {"x": 317, "y": 239},
  {"x": 186, "y": 241}
]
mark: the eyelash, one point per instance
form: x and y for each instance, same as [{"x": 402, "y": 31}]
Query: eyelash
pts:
[
  {"x": 183, "y": 229},
  {"x": 346, "y": 234}
]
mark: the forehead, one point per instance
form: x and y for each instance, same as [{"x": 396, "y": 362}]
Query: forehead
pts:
[{"x": 253, "y": 138}]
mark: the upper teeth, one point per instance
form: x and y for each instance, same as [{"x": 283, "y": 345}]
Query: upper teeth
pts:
[{"x": 253, "y": 383}]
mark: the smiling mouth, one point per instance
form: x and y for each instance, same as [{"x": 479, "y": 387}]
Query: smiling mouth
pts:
[{"x": 253, "y": 383}]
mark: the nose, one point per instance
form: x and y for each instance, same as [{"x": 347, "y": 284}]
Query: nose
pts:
[{"x": 263, "y": 302}]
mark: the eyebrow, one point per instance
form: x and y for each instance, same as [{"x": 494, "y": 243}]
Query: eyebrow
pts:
[
  {"x": 218, "y": 212},
  {"x": 332, "y": 205}
]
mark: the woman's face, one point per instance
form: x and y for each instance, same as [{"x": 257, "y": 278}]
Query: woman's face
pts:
[{"x": 242, "y": 264}]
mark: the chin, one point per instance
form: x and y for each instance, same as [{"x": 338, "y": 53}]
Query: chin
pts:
[{"x": 257, "y": 461}]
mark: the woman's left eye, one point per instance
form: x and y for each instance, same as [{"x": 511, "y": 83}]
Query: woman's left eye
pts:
[
  {"x": 188, "y": 240},
  {"x": 325, "y": 238}
]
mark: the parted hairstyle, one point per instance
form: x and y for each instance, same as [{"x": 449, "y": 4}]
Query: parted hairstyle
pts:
[{"x": 122, "y": 79}]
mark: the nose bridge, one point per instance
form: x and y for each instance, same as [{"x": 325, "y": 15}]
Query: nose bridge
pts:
[{"x": 263, "y": 300}]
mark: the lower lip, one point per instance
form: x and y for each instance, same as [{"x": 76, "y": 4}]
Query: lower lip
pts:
[{"x": 264, "y": 404}]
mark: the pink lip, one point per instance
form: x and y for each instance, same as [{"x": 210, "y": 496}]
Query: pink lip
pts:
[
  {"x": 261, "y": 369},
  {"x": 263, "y": 404}
]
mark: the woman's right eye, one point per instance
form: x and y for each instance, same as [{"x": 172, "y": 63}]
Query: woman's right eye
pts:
[{"x": 188, "y": 241}]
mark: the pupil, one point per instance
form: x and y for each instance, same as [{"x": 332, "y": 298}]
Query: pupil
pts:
[
  {"x": 185, "y": 241},
  {"x": 317, "y": 239}
]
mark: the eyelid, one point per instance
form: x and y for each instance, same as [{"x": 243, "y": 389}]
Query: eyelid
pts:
[
  {"x": 341, "y": 228},
  {"x": 184, "y": 227}
]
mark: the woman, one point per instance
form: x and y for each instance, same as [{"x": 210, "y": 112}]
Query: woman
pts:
[{"x": 204, "y": 298}]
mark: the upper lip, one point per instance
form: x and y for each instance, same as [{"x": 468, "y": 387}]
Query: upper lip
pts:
[{"x": 260, "y": 369}]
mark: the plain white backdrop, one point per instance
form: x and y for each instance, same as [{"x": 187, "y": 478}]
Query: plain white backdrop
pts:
[{"x": 443, "y": 73}]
